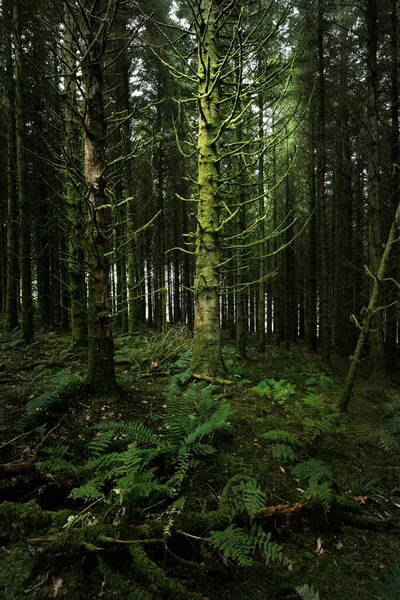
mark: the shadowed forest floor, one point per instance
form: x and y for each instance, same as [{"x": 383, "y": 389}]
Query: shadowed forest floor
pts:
[{"x": 330, "y": 483}]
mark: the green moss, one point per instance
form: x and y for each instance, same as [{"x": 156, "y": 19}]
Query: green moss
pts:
[
  {"x": 16, "y": 572},
  {"x": 21, "y": 520}
]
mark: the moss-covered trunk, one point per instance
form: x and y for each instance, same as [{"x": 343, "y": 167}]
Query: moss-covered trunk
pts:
[
  {"x": 74, "y": 199},
  {"x": 100, "y": 375},
  {"x": 11, "y": 315},
  {"x": 22, "y": 174},
  {"x": 372, "y": 309},
  {"x": 207, "y": 357},
  {"x": 374, "y": 200}
]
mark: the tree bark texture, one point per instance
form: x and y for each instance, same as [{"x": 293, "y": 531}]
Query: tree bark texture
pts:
[
  {"x": 207, "y": 356},
  {"x": 100, "y": 375}
]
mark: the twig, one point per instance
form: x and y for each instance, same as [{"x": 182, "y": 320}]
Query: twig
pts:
[
  {"x": 21, "y": 435},
  {"x": 212, "y": 379}
]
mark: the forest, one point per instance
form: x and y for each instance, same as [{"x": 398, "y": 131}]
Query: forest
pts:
[{"x": 199, "y": 300}]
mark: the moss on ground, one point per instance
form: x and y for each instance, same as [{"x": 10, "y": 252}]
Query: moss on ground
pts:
[{"x": 341, "y": 550}]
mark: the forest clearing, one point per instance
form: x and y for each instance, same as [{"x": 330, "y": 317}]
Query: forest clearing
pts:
[{"x": 199, "y": 300}]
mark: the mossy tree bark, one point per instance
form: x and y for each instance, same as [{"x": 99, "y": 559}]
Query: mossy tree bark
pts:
[
  {"x": 324, "y": 317},
  {"x": 100, "y": 375},
  {"x": 372, "y": 310},
  {"x": 73, "y": 195},
  {"x": 22, "y": 179},
  {"x": 11, "y": 314},
  {"x": 374, "y": 200},
  {"x": 392, "y": 292},
  {"x": 207, "y": 355}
]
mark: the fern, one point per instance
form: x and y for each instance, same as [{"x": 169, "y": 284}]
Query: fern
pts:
[
  {"x": 282, "y": 452},
  {"x": 56, "y": 465},
  {"x": 307, "y": 592},
  {"x": 133, "y": 431},
  {"x": 276, "y": 390},
  {"x": 389, "y": 589},
  {"x": 123, "y": 453},
  {"x": 62, "y": 382},
  {"x": 317, "y": 419},
  {"x": 321, "y": 380},
  {"x": 89, "y": 491},
  {"x": 318, "y": 478},
  {"x": 253, "y": 498},
  {"x": 280, "y": 435},
  {"x": 233, "y": 543},
  {"x": 311, "y": 469},
  {"x": 241, "y": 546}
]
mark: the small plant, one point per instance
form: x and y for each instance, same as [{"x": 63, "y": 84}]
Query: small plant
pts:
[
  {"x": 317, "y": 477},
  {"x": 317, "y": 418},
  {"x": 241, "y": 546},
  {"x": 307, "y": 592},
  {"x": 63, "y": 382},
  {"x": 388, "y": 589},
  {"x": 278, "y": 390},
  {"x": 125, "y": 456},
  {"x": 156, "y": 349},
  {"x": 320, "y": 380},
  {"x": 282, "y": 444}
]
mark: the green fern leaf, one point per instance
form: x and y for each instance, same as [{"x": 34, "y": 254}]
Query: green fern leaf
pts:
[
  {"x": 282, "y": 452},
  {"x": 280, "y": 435},
  {"x": 233, "y": 544},
  {"x": 388, "y": 589},
  {"x": 311, "y": 469},
  {"x": 307, "y": 592},
  {"x": 253, "y": 498},
  {"x": 89, "y": 491}
]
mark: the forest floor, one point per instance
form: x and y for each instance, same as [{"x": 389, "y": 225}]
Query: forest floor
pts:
[{"x": 330, "y": 483}]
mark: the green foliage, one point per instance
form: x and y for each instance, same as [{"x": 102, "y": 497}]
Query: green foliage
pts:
[
  {"x": 307, "y": 592},
  {"x": 388, "y": 589},
  {"x": 166, "y": 349},
  {"x": 253, "y": 498},
  {"x": 282, "y": 451},
  {"x": 241, "y": 546},
  {"x": 316, "y": 418},
  {"x": 16, "y": 570},
  {"x": 56, "y": 461},
  {"x": 125, "y": 455},
  {"x": 317, "y": 476},
  {"x": 275, "y": 390},
  {"x": 63, "y": 382},
  {"x": 91, "y": 490},
  {"x": 321, "y": 380}
]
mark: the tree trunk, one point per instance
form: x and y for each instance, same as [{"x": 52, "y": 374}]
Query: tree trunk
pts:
[
  {"x": 11, "y": 316},
  {"x": 100, "y": 375},
  {"x": 371, "y": 311},
  {"x": 73, "y": 196},
  {"x": 207, "y": 355},
  {"x": 374, "y": 201},
  {"x": 22, "y": 171},
  {"x": 324, "y": 318}
]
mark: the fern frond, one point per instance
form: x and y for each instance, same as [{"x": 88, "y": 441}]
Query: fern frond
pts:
[
  {"x": 253, "y": 498},
  {"x": 56, "y": 465},
  {"x": 280, "y": 435},
  {"x": 307, "y": 592},
  {"x": 388, "y": 589},
  {"x": 104, "y": 462},
  {"x": 89, "y": 491},
  {"x": 133, "y": 431},
  {"x": 101, "y": 443},
  {"x": 233, "y": 543},
  {"x": 311, "y": 469},
  {"x": 282, "y": 452}
]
